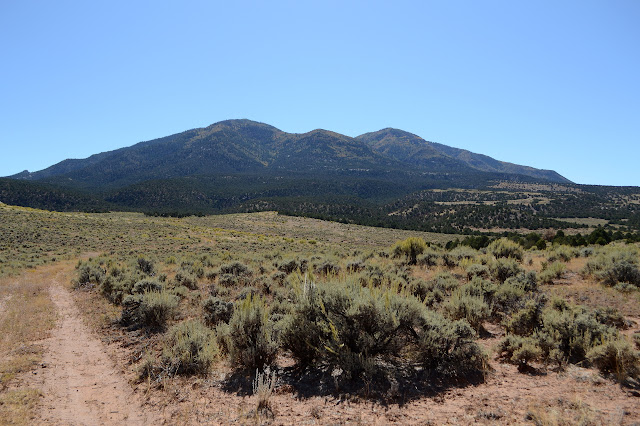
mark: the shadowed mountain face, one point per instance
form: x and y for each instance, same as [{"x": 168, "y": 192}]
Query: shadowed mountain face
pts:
[
  {"x": 228, "y": 147},
  {"x": 244, "y": 146},
  {"x": 409, "y": 148}
]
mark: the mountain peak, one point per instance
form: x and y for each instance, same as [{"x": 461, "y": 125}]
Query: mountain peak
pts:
[
  {"x": 238, "y": 123},
  {"x": 247, "y": 146}
]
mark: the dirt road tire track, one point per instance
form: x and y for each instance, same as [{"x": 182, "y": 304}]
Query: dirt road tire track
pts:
[{"x": 80, "y": 384}]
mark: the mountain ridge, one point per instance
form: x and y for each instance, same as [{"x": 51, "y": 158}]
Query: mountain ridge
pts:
[
  {"x": 388, "y": 178},
  {"x": 406, "y": 146},
  {"x": 242, "y": 145}
]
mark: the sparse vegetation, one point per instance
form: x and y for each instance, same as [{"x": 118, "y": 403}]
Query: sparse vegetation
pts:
[
  {"x": 251, "y": 344},
  {"x": 353, "y": 317},
  {"x": 190, "y": 349}
]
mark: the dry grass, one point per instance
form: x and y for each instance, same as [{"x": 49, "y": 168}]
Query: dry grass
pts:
[
  {"x": 589, "y": 221},
  {"x": 17, "y": 407},
  {"x": 308, "y": 230},
  {"x": 27, "y": 317},
  {"x": 594, "y": 295},
  {"x": 567, "y": 412},
  {"x": 586, "y": 291}
]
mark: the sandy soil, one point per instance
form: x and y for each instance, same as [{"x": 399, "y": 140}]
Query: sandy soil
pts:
[{"x": 79, "y": 382}]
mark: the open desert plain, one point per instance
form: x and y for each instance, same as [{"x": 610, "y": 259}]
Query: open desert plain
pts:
[{"x": 121, "y": 318}]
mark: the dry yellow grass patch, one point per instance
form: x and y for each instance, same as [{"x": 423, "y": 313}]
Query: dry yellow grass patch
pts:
[
  {"x": 588, "y": 292},
  {"x": 17, "y": 407},
  {"x": 574, "y": 412},
  {"x": 26, "y": 318}
]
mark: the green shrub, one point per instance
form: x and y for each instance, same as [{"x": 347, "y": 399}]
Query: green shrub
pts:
[
  {"x": 186, "y": 279},
  {"x": 449, "y": 261},
  {"x": 279, "y": 277},
  {"x": 552, "y": 272},
  {"x": 146, "y": 285},
  {"x": 305, "y": 331},
  {"x": 411, "y": 248},
  {"x": 246, "y": 292},
  {"x": 507, "y": 298},
  {"x": 428, "y": 258},
  {"x": 151, "y": 309},
  {"x": 502, "y": 269},
  {"x": 447, "y": 347},
  {"x": 611, "y": 317},
  {"x": 181, "y": 291},
  {"x": 616, "y": 356},
  {"x": 217, "y": 310},
  {"x": 250, "y": 335},
  {"x": 528, "y": 281},
  {"x": 228, "y": 280},
  {"x": 145, "y": 266},
  {"x": 526, "y": 320},
  {"x": 355, "y": 266},
  {"x": 519, "y": 350},
  {"x": 572, "y": 330},
  {"x": 114, "y": 289},
  {"x": 435, "y": 290},
  {"x": 472, "y": 308},
  {"x": 193, "y": 268},
  {"x": 505, "y": 248},
  {"x": 328, "y": 268},
  {"x": 620, "y": 272},
  {"x": 88, "y": 273},
  {"x": 211, "y": 275},
  {"x": 237, "y": 269},
  {"x": 345, "y": 326},
  {"x": 445, "y": 282},
  {"x": 477, "y": 270},
  {"x": 514, "y": 293},
  {"x": 421, "y": 289},
  {"x": 291, "y": 265},
  {"x": 587, "y": 252},
  {"x": 562, "y": 253},
  {"x": 625, "y": 287},
  {"x": 478, "y": 287},
  {"x": 463, "y": 252},
  {"x": 615, "y": 265},
  {"x": 190, "y": 348}
]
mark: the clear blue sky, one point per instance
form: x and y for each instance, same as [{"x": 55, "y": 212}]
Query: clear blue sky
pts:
[{"x": 551, "y": 84}]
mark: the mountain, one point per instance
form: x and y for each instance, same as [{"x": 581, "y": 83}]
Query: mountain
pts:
[
  {"x": 409, "y": 148},
  {"x": 244, "y": 146},
  {"x": 240, "y": 165},
  {"x": 228, "y": 147},
  {"x": 384, "y": 178}
]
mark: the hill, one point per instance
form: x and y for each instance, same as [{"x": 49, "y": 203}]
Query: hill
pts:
[{"x": 388, "y": 178}]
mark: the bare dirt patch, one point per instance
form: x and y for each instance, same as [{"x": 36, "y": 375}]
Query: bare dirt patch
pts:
[{"x": 79, "y": 383}]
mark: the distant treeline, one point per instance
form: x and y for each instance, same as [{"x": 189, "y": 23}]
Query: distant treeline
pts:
[{"x": 599, "y": 236}]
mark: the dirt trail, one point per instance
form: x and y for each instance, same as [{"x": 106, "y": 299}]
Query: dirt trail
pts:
[{"x": 80, "y": 384}]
